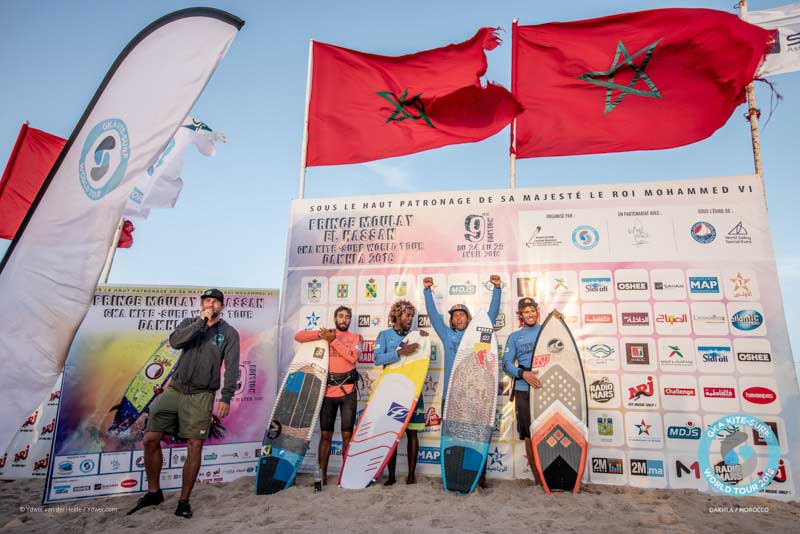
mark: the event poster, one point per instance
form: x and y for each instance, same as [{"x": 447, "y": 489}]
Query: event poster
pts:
[
  {"x": 670, "y": 290},
  {"x": 97, "y": 450}
]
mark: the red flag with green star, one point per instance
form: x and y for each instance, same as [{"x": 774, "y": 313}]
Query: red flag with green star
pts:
[
  {"x": 364, "y": 107},
  {"x": 636, "y": 81}
]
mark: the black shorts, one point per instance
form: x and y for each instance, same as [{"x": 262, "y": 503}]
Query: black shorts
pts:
[
  {"x": 522, "y": 409},
  {"x": 330, "y": 405}
]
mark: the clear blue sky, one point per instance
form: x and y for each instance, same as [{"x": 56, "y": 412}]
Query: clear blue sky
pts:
[{"x": 229, "y": 227}]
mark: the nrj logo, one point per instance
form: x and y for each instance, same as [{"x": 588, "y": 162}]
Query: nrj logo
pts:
[
  {"x": 733, "y": 469},
  {"x": 104, "y": 158}
]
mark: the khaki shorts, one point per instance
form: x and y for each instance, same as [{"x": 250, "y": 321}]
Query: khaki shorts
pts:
[{"x": 178, "y": 414}]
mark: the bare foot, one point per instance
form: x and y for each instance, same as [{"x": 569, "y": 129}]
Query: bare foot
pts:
[
  {"x": 411, "y": 479},
  {"x": 325, "y": 481},
  {"x": 482, "y": 483},
  {"x": 390, "y": 481}
]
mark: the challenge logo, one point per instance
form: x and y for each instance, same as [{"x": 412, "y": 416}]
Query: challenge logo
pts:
[
  {"x": 688, "y": 431},
  {"x": 585, "y": 237},
  {"x": 704, "y": 284},
  {"x": 703, "y": 232},
  {"x": 104, "y": 158},
  {"x": 602, "y": 390},
  {"x": 637, "y": 353},
  {"x": 610, "y": 466},
  {"x": 747, "y": 320},
  {"x": 680, "y": 392}
]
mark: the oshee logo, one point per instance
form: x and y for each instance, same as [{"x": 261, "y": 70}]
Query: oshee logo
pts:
[
  {"x": 747, "y": 320},
  {"x": 104, "y": 158}
]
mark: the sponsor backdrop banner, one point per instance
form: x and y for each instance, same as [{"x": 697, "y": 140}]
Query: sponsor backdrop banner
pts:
[
  {"x": 669, "y": 288},
  {"x": 28, "y": 455},
  {"x": 118, "y": 355}
]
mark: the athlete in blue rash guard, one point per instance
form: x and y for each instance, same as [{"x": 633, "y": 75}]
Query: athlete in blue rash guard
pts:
[
  {"x": 389, "y": 348},
  {"x": 519, "y": 347},
  {"x": 459, "y": 320},
  {"x": 451, "y": 335}
]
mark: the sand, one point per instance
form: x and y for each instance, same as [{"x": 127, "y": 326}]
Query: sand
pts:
[{"x": 507, "y": 506}]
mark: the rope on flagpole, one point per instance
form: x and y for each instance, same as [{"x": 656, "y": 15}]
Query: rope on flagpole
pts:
[
  {"x": 304, "y": 148},
  {"x": 512, "y": 179},
  {"x": 753, "y": 114}
]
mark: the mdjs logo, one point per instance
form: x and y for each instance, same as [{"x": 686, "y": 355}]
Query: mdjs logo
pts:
[{"x": 104, "y": 158}]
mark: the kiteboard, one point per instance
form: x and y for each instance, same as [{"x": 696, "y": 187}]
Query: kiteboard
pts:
[
  {"x": 293, "y": 418},
  {"x": 559, "y": 417},
  {"x": 144, "y": 387},
  {"x": 386, "y": 416},
  {"x": 469, "y": 409}
]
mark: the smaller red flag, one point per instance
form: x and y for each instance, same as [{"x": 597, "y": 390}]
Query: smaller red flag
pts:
[
  {"x": 126, "y": 237},
  {"x": 29, "y": 164},
  {"x": 365, "y": 107}
]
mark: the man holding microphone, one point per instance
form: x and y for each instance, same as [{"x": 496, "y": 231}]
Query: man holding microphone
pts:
[{"x": 185, "y": 407}]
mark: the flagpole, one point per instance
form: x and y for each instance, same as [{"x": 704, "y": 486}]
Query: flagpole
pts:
[
  {"x": 113, "y": 250},
  {"x": 752, "y": 116},
  {"x": 512, "y": 179},
  {"x": 304, "y": 149}
]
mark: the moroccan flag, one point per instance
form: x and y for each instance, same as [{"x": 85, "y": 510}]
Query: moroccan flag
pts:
[
  {"x": 365, "y": 107},
  {"x": 31, "y": 160},
  {"x": 636, "y": 81}
]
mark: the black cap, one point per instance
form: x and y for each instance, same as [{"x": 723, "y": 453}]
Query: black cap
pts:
[
  {"x": 213, "y": 294},
  {"x": 525, "y": 302}
]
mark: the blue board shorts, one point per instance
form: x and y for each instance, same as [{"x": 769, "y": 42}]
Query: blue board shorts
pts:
[{"x": 417, "y": 421}]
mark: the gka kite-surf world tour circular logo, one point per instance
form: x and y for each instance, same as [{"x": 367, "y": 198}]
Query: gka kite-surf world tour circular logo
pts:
[
  {"x": 732, "y": 467},
  {"x": 104, "y": 158}
]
